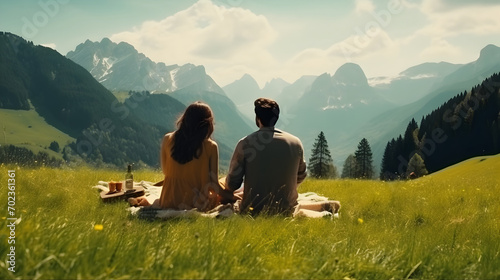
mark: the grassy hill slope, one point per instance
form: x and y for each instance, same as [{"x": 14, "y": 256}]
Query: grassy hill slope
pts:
[
  {"x": 29, "y": 130},
  {"x": 485, "y": 167}
]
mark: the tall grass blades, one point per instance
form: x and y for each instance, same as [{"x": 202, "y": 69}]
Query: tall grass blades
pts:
[{"x": 444, "y": 225}]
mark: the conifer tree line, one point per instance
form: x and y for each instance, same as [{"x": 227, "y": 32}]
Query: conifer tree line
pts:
[
  {"x": 360, "y": 164},
  {"x": 467, "y": 125},
  {"x": 10, "y": 154},
  {"x": 357, "y": 165},
  {"x": 321, "y": 163}
]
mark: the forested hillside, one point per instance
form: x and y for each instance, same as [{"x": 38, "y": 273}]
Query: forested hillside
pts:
[
  {"x": 71, "y": 100},
  {"x": 465, "y": 126}
]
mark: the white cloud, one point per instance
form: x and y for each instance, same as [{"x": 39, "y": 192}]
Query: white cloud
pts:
[
  {"x": 364, "y": 6},
  {"x": 214, "y": 36},
  {"x": 449, "y": 5},
  {"x": 372, "y": 43},
  {"x": 368, "y": 43},
  {"x": 459, "y": 22},
  {"x": 440, "y": 49},
  {"x": 370, "y": 50},
  {"x": 471, "y": 19},
  {"x": 233, "y": 41}
]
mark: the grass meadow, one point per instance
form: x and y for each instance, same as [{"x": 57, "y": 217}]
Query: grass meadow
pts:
[
  {"x": 29, "y": 130},
  {"x": 443, "y": 226}
]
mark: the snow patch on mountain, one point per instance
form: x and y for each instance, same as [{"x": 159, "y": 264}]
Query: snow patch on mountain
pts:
[
  {"x": 122, "y": 67},
  {"x": 422, "y": 76},
  {"x": 381, "y": 81},
  {"x": 107, "y": 64},
  {"x": 172, "y": 74}
]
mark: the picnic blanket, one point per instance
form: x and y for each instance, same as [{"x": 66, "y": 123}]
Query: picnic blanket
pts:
[{"x": 227, "y": 210}]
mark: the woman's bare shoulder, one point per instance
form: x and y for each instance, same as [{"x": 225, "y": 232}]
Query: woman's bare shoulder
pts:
[
  {"x": 167, "y": 138},
  {"x": 211, "y": 143}
]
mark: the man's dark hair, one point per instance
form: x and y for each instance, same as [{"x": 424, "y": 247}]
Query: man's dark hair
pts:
[{"x": 267, "y": 111}]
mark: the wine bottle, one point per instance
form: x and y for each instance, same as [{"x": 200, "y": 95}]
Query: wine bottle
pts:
[{"x": 129, "y": 179}]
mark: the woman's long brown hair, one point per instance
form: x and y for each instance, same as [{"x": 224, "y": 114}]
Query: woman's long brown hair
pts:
[{"x": 193, "y": 127}]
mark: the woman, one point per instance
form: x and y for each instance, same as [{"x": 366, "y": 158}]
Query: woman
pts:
[{"x": 190, "y": 163}]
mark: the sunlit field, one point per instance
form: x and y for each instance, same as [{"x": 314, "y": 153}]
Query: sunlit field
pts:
[
  {"x": 29, "y": 130},
  {"x": 443, "y": 226}
]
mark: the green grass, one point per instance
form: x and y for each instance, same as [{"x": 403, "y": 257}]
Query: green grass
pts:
[
  {"x": 29, "y": 130},
  {"x": 443, "y": 226},
  {"x": 121, "y": 95}
]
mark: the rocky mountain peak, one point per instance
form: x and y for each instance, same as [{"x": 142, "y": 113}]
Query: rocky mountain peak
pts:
[
  {"x": 350, "y": 74},
  {"x": 119, "y": 66}
]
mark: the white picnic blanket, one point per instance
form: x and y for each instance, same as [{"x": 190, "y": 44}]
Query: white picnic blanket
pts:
[{"x": 153, "y": 192}]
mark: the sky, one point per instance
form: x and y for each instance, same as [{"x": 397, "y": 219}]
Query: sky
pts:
[{"x": 268, "y": 39}]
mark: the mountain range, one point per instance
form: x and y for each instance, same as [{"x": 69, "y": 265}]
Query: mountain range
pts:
[
  {"x": 245, "y": 90},
  {"x": 316, "y": 103},
  {"x": 413, "y": 83},
  {"x": 69, "y": 99},
  {"x": 347, "y": 106},
  {"x": 106, "y": 131},
  {"x": 335, "y": 104},
  {"x": 392, "y": 122},
  {"x": 119, "y": 66}
]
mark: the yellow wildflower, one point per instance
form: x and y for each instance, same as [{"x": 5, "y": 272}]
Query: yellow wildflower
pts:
[
  {"x": 98, "y": 227},
  {"x": 360, "y": 220}
]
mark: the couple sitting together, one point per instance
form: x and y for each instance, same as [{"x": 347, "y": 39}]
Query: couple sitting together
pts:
[{"x": 269, "y": 162}]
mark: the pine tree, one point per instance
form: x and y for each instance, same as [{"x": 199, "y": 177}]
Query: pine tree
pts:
[
  {"x": 349, "y": 168},
  {"x": 54, "y": 146},
  {"x": 363, "y": 157},
  {"x": 417, "y": 166},
  {"x": 320, "y": 162},
  {"x": 332, "y": 171},
  {"x": 386, "y": 172},
  {"x": 398, "y": 151},
  {"x": 409, "y": 145}
]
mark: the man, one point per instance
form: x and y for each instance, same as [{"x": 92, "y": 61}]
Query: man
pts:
[{"x": 271, "y": 164}]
